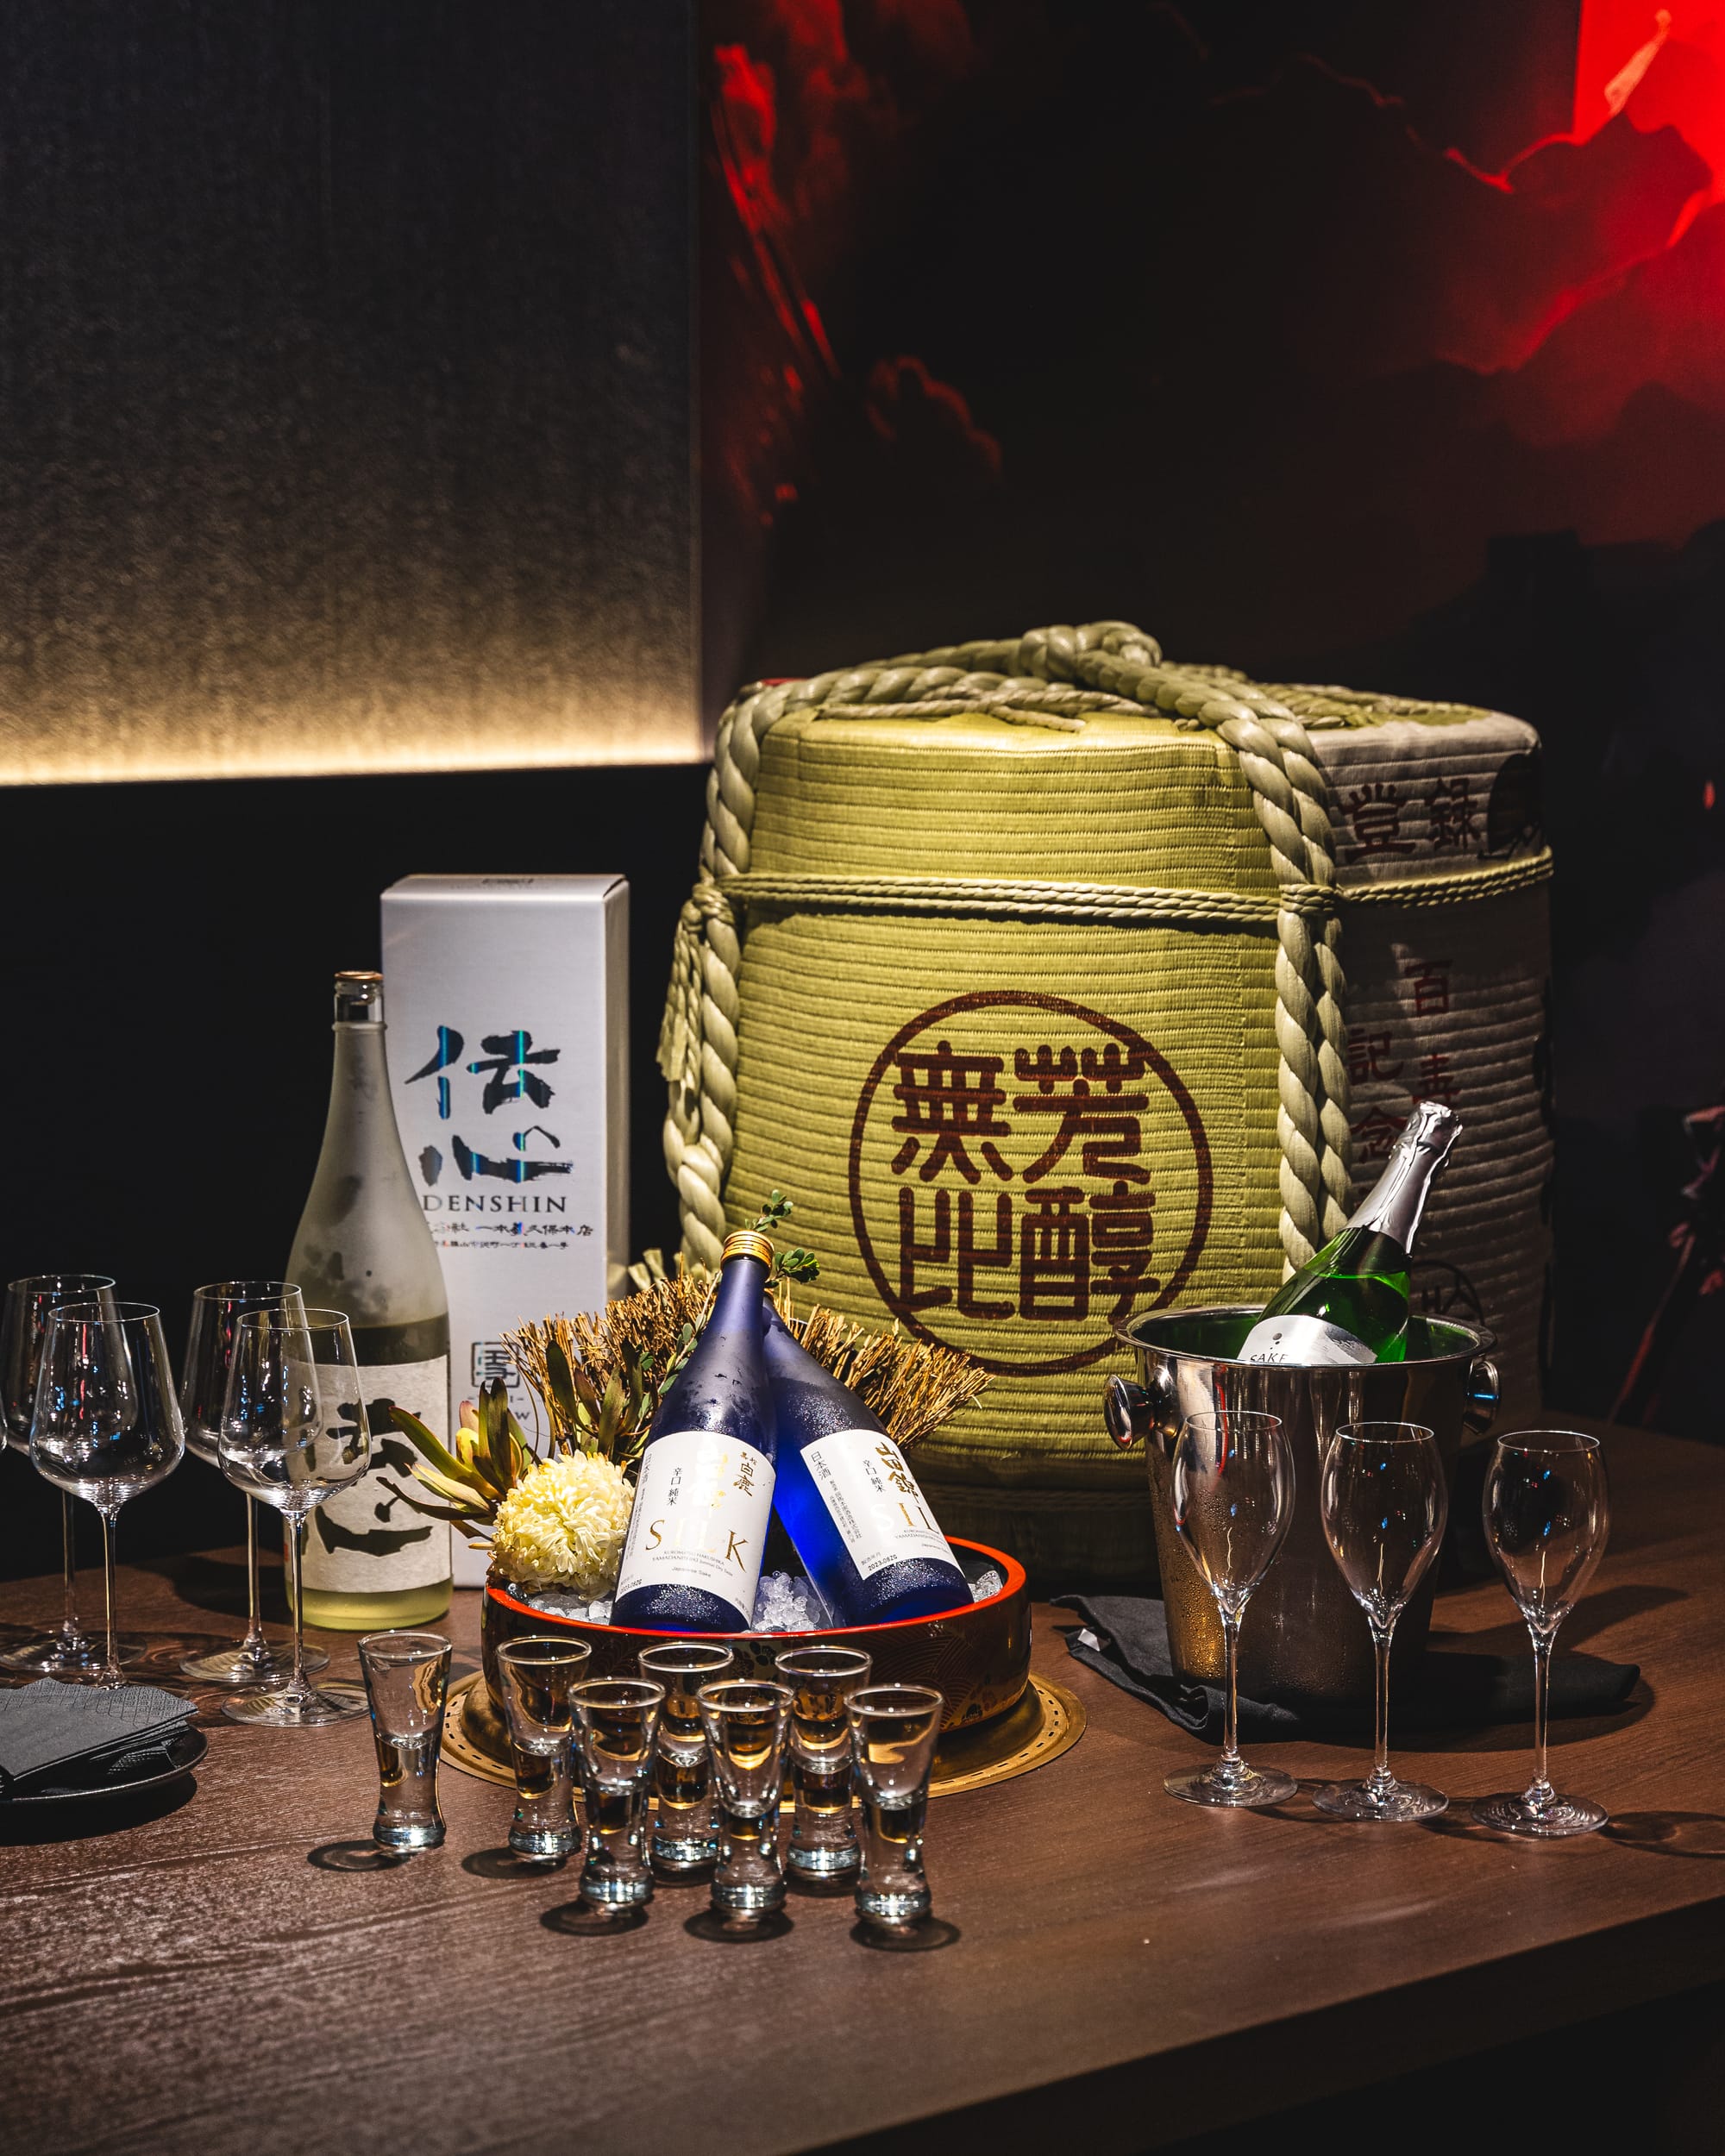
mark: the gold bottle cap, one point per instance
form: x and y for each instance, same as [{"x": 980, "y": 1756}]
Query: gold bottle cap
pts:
[
  {"x": 747, "y": 1244},
  {"x": 359, "y": 999}
]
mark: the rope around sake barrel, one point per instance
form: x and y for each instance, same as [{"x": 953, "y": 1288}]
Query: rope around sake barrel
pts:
[{"x": 1052, "y": 678}]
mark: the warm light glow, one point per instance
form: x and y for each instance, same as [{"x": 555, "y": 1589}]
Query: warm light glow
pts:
[{"x": 95, "y": 747}]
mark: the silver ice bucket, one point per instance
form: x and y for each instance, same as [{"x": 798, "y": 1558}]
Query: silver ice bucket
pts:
[{"x": 1304, "y": 1641}]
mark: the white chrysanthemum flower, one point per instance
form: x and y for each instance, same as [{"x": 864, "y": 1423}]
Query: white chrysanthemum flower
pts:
[{"x": 564, "y": 1524}]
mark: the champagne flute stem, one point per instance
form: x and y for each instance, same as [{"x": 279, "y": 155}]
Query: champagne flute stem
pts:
[
  {"x": 1541, "y": 1792},
  {"x": 110, "y": 1673},
  {"x": 69, "y": 1559},
  {"x": 1231, "y": 1761},
  {"x": 1383, "y": 1781},
  {"x": 296, "y": 1545},
  {"x": 255, "y": 1643}
]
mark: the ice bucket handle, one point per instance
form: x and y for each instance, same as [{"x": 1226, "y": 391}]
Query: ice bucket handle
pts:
[
  {"x": 1126, "y": 1409},
  {"x": 1479, "y": 1407}
]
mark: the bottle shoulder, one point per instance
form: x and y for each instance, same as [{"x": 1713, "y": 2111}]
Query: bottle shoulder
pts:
[
  {"x": 363, "y": 1243},
  {"x": 809, "y": 1402}
]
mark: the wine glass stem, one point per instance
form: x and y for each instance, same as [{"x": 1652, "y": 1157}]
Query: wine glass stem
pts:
[
  {"x": 110, "y": 1673},
  {"x": 69, "y": 1557},
  {"x": 1231, "y": 1629},
  {"x": 1382, "y": 1779},
  {"x": 1542, "y": 1792},
  {"x": 254, "y": 1641},
  {"x": 296, "y": 1546}
]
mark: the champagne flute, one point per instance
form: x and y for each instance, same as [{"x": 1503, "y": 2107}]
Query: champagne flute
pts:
[
  {"x": 1384, "y": 1504},
  {"x": 68, "y": 1651},
  {"x": 1547, "y": 1513},
  {"x": 294, "y": 1431},
  {"x": 216, "y": 1310},
  {"x": 1233, "y": 1497},
  {"x": 107, "y": 1425}
]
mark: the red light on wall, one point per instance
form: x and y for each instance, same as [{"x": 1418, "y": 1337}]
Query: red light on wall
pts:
[{"x": 1664, "y": 66}]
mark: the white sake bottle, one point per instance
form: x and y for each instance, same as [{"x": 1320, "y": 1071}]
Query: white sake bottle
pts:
[{"x": 371, "y": 1563}]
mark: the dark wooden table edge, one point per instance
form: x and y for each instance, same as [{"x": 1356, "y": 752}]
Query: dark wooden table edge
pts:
[{"x": 1169, "y": 2094}]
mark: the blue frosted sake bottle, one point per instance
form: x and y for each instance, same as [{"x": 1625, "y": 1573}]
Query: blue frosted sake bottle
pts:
[
  {"x": 704, "y": 1495},
  {"x": 849, "y": 1502}
]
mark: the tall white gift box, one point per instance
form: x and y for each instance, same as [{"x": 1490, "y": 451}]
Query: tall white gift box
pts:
[{"x": 508, "y": 1005}]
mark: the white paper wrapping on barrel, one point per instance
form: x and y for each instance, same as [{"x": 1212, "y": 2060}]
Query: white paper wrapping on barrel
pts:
[{"x": 1010, "y": 1120}]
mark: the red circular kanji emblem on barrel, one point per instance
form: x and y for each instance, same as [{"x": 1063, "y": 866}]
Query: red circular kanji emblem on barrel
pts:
[{"x": 1025, "y": 1171}]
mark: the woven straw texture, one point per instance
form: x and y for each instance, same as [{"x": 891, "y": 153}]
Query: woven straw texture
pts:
[{"x": 1054, "y": 983}]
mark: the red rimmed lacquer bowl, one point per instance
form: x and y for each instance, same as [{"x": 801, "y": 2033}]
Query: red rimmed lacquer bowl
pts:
[{"x": 978, "y": 1657}]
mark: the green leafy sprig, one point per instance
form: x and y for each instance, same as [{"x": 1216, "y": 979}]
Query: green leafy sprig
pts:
[{"x": 793, "y": 1263}]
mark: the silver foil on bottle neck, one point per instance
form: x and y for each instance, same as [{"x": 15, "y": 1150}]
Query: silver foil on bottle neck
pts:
[{"x": 1397, "y": 1199}]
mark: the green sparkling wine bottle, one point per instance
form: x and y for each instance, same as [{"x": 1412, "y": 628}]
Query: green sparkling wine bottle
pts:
[{"x": 1349, "y": 1304}]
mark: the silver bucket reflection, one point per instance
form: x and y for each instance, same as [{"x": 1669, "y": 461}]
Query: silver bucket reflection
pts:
[{"x": 1304, "y": 1640}]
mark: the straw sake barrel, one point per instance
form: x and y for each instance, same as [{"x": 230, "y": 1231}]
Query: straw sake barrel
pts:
[{"x": 1055, "y": 983}]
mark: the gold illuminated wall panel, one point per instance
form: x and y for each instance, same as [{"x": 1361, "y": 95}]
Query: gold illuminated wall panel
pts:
[{"x": 345, "y": 405}]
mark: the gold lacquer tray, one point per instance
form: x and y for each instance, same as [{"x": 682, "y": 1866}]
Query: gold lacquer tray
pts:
[{"x": 1047, "y": 1721}]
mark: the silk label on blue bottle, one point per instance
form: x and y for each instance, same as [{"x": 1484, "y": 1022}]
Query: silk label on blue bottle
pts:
[
  {"x": 874, "y": 1500},
  {"x": 701, "y": 1507}
]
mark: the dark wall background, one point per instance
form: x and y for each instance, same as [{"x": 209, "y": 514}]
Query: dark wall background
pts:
[{"x": 168, "y": 951}]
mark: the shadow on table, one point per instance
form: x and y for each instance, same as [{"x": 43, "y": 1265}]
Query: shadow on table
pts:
[
  {"x": 1671, "y": 1834},
  {"x": 1595, "y": 1614},
  {"x": 509, "y": 1863},
  {"x": 87, "y": 1819},
  {"x": 579, "y": 1920},
  {"x": 357, "y": 1856},
  {"x": 1516, "y": 1737},
  {"x": 216, "y": 1582}
]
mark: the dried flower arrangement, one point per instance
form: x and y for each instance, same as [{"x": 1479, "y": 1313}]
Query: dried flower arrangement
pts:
[{"x": 560, "y": 1516}]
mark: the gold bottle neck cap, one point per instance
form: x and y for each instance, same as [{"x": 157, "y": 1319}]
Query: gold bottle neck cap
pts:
[{"x": 747, "y": 1244}]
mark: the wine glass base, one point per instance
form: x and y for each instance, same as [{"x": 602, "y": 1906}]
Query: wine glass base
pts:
[
  {"x": 1401, "y": 1801},
  {"x": 238, "y": 1665},
  {"x": 297, "y": 1710},
  {"x": 1244, "y": 1790},
  {"x": 1509, "y": 1813},
  {"x": 78, "y": 1658}
]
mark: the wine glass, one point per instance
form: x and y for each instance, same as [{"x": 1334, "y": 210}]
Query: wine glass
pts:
[
  {"x": 1384, "y": 1504},
  {"x": 106, "y": 1425},
  {"x": 67, "y": 1651},
  {"x": 1233, "y": 1497},
  {"x": 215, "y": 1313},
  {"x": 294, "y": 1432},
  {"x": 1547, "y": 1513}
]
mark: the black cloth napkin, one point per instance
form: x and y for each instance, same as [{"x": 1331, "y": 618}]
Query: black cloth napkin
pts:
[
  {"x": 48, "y": 1724},
  {"x": 1125, "y": 1637}
]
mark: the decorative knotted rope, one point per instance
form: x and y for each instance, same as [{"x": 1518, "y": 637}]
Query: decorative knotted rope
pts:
[{"x": 1052, "y": 678}]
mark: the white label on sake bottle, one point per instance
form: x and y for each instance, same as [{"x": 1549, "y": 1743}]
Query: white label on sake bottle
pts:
[
  {"x": 702, "y": 1502},
  {"x": 1310, "y": 1341},
  {"x": 365, "y": 1540},
  {"x": 873, "y": 1499}
]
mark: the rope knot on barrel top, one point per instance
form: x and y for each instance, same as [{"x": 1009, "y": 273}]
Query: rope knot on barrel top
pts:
[{"x": 1049, "y": 678}]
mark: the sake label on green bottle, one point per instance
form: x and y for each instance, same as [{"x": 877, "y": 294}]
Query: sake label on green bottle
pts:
[
  {"x": 366, "y": 1540},
  {"x": 1311, "y": 1342},
  {"x": 875, "y": 1504},
  {"x": 702, "y": 1502}
]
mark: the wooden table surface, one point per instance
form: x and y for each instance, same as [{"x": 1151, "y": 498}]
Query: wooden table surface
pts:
[{"x": 194, "y": 1979}]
